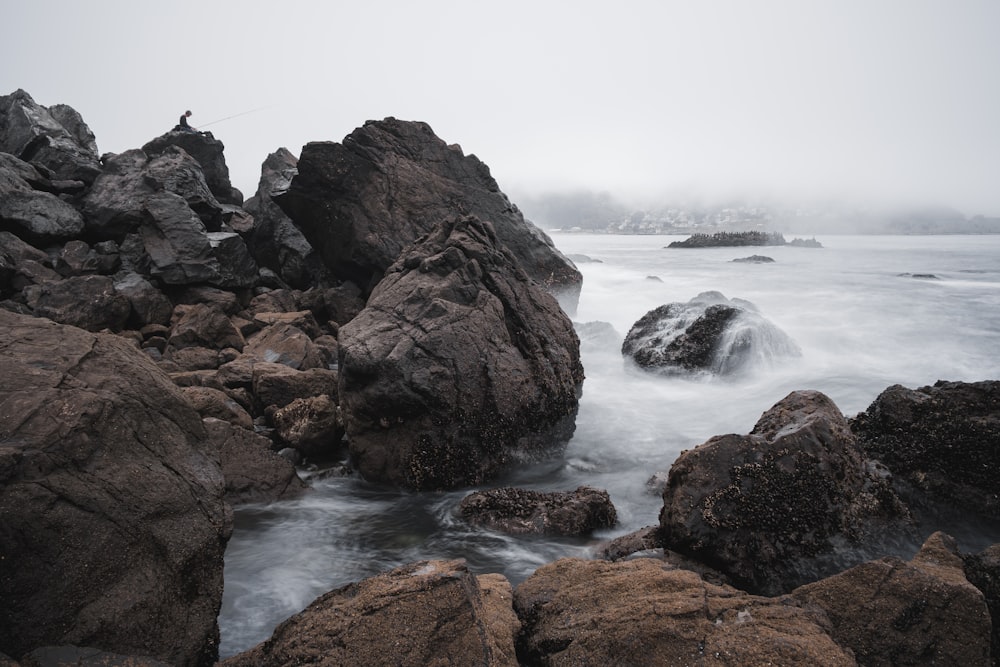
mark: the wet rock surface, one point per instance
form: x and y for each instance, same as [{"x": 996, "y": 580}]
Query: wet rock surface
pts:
[
  {"x": 764, "y": 507},
  {"x": 709, "y": 333},
  {"x": 523, "y": 511},
  {"x": 944, "y": 440}
]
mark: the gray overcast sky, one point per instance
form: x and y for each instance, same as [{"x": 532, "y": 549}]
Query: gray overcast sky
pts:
[{"x": 893, "y": 99}]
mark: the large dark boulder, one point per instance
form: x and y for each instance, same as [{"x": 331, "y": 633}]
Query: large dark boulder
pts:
[
  {"x": 459, "y": 365},
  {"x": 60, "y": 142},
  {"x": 88, "y": 302},
  {"x": 360, "y": 202},
  {"x": 275, "y": 241},
  {"x": 176, "y": 242},
  {"x": 207, "y": 152},
  {"x": 34, "y": 215},
  {"x": 112, "y": 522},
  {"x": 117, "y": 202},
  {"x": 524, "y": 511},
  {"x": 709, "y": 333},
  {"x": 943, "y": 440},
  {"x": 921, "y": 612},
  {"x": 774, "y": 509},
  {"x": 426, "y": 613},
  {"x": 646, "y": 612}
]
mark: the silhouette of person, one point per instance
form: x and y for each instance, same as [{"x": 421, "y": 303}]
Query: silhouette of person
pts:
[{"x": 182, "y": 125}]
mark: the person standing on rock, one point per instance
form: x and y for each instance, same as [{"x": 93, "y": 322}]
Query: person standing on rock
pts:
[{"x": 182, "y": 124}]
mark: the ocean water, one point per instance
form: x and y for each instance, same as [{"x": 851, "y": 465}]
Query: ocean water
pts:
[{"x": 865, "y": 312}]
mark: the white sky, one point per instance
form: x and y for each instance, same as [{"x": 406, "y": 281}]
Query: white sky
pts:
[{"x": 894, "y": 99}]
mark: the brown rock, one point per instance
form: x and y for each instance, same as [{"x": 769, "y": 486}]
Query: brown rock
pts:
[
  {"x": 983, "y": 571},
  {"x": 253, "y": 471},
  {"x": 644, "y": 612},
  {"x": 523, "y": 511},
  {"x": 285, "y": 344},
  {"x": 111, "y": 505},
  {"x": 924, "y": 612},
  {"x": 310, "y": 425},
  {"x": 211, "y": 402},
  {"x": 426, "y": 613}
]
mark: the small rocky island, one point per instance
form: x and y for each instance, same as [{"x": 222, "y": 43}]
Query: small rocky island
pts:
[
  {"x": 740, "y": 239},
  {"x": 168, "y": 349}
]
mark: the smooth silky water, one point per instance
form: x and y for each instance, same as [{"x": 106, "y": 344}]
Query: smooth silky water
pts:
[{"x": 860, "y": 324}]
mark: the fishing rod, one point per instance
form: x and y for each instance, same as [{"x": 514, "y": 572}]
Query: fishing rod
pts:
[{"x": 242, "y": 113}]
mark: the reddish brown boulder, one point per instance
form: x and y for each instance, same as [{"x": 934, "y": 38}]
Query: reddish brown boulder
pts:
[
  {"x": 426, "y": 613},
  {"x": 924, "y": 612},
  {"x": 253, "y": 471},
  {"x": 644, "y": 612}
]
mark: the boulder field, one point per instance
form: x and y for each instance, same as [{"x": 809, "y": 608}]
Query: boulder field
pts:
[{"x": 169, "y": 349}]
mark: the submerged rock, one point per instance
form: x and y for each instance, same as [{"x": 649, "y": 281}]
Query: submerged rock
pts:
[
  {"x": 458, "y": 366},
  {"x": 768, "y": 507},
  {"x": 944, "y": 440},
  {"x": 425, "y": 613},
  {"x": 754, "y": 259},
  {"x": 709, "y": 333},
  {"x": 523, "y": 511}
]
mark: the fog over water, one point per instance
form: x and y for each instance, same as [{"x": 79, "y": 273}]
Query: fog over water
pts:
[
  {"x": 860, "y": 323},
  {"x": 894, "y": 100}
]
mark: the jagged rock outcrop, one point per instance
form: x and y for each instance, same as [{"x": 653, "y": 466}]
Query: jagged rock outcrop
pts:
[
  {"x": 207, "y": 152},
  {"x": 524, "y": 511},
  {"x": 459, "y": 365},
  {"x": 111, "y": 513},
  {"x": 921, "y": 612},
  {"x": 766, "y": 508},
  {"x": 425, "y": 613},
  {"x": 275, "y": 241},
  {"x": 361, "y": 202},
  {"x": 36, "y": 215},
  {"x": 709, "y": 333},
  {"x": 944, "y": 440},
  {"x": 116, "y": 203},
  {"x": 645, "y": 612},
  {"x": 58, "y": 142}
]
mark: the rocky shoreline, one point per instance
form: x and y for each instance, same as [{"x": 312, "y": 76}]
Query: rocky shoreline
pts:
[{"x": 170, "y": 350}]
